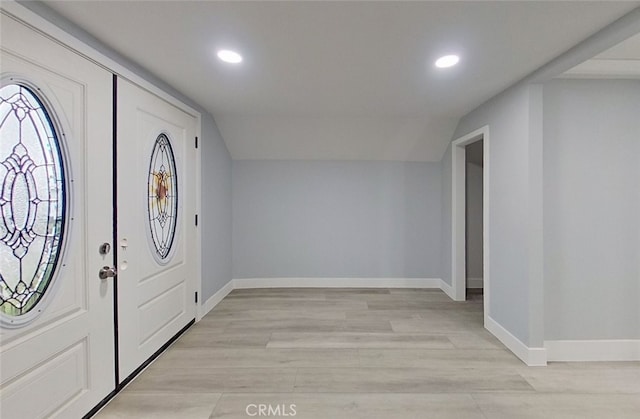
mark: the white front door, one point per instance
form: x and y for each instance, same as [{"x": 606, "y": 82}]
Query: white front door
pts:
[
  {"x": 57, "y": 333},
  {"x": 156, "y": 231}
]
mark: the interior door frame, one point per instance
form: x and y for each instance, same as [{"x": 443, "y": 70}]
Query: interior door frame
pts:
[
  {"x": 49, "y": 29},
  {"x": 458, "y": 212}
]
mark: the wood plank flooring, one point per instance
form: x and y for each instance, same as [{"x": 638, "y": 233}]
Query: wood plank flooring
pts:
[{"x": 363, "y": 353}]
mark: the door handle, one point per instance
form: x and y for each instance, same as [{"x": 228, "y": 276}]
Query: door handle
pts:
[{"x": 107, "y": 272}]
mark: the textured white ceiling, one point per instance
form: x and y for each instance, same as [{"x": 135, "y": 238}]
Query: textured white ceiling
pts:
[{"x": 340, "y": 80}]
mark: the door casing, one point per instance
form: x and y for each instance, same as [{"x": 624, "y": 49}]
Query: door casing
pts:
[{"x": 458, "y": 207}]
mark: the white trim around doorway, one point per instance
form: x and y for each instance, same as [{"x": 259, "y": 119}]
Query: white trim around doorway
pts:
[{"x": 458, "y": 240}]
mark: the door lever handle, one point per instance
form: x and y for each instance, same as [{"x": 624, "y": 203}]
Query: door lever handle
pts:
[{"x": 107, "y": 272}]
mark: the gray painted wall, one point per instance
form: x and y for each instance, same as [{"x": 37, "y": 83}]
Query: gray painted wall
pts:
[
  {"x": 592, "y": 209},
  {"x": 215, "y": 170},
  {"x": 216, "y": 218},
  {"x": 333, "y": 219},
  {"x": 508, "y": 116}
]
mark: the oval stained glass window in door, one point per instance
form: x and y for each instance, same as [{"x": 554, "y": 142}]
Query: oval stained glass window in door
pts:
[
  {"x": 32, "y": 200},
  {"x": 162, "y": 204}
]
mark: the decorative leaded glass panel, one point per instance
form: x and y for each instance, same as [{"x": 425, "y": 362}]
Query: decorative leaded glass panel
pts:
[
  {"x": 32, "y": 200},
  {"x": 163, "y": 197}
]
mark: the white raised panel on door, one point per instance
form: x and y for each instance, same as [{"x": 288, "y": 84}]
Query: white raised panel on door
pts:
[
  {"x": 62, "y": 362},
  {"x": 155, "y": 296}
]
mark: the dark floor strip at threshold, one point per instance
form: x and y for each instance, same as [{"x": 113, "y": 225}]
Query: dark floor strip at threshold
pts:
[{"x": 137, "y": 371}]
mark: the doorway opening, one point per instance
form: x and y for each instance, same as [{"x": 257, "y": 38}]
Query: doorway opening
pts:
[
  {"x": 470, "y": 218},
  {"x": 473, "y": 220}
]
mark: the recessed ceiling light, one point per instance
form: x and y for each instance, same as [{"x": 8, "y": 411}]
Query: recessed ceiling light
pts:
[
  {"x": 229, "y": 56},
  {"x": 447, "y": 61}
]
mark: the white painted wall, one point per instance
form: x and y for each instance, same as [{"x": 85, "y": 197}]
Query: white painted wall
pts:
[
  {"x": 473, "y": 202},
  {"x": 592, "y": 209}
]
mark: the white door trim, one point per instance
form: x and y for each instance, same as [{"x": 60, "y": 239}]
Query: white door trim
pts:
[
  {"x": 458, "y": 240},
  {"x": 198, "y": 181}
]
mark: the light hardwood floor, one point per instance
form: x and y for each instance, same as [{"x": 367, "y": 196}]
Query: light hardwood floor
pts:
[{"x": 363, "y": 353}]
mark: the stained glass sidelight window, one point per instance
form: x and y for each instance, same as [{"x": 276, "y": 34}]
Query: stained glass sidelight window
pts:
[
  {"x": 32, "y": 200},
  {"x": 163, "y": 197}
]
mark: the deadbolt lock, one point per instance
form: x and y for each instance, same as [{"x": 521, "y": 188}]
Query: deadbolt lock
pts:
[{"x": 107, "y": 272}]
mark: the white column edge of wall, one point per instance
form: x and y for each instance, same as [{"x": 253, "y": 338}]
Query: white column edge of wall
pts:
[
  {"x": 533, "y": 357},
  {"x": 593, "y": 350}
]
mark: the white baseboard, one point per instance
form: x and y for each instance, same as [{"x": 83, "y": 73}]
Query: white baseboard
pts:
[
  {"x": 448, "y": 289},
  {"x": 240, "y": 283},
  {"x": 214, "y": 300},
  {"x": 475, "y": 283},
  {"x": 593, "y": 350},
  {"x": 533, "y": 357}
]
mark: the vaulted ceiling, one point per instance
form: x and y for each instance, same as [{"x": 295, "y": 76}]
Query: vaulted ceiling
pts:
[{"x": 340, "y": 80}]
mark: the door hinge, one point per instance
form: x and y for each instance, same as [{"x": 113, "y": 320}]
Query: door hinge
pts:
[
  {"x": 196, "y": 297},
  {"x": 196, "y": 220},
  {"x": 196, "y": 142}
]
